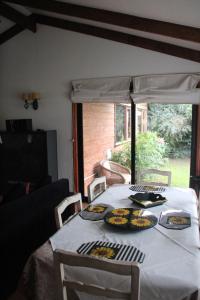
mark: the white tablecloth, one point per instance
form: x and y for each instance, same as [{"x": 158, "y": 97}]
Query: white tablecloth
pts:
[{"x": 171, "y": 269}]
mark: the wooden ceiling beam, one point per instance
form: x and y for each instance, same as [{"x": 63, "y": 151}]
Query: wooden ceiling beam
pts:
[
  {"x": 17, "y": 17},
  {"x": 158, "y": 46},
  {"x": 11, "y": 32},
  {"x": 120, "y": 19}
]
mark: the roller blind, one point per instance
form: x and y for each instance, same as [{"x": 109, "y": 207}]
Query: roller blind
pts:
[
  {"x": 101, "y": 90},
  {"x": 166, "y": 88}
]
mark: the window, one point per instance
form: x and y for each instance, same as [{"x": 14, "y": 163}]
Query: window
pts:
[
  {"x": 122, "y": 123},
  {"x": 141, "y": 117}
]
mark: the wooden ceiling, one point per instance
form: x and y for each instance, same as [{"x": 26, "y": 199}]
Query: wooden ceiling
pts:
[{"x": 49, "y": 10}]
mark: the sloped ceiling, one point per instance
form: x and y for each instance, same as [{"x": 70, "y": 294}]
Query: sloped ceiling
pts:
[
  {"x": 177, "y": 11},
  {"x": 171, "y": 27}
]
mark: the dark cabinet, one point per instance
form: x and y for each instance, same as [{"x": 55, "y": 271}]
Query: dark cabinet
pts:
[{"x": 28, "y": 156}]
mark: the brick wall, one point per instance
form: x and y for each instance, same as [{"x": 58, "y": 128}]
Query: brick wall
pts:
[{"x": 98, "y": 136}]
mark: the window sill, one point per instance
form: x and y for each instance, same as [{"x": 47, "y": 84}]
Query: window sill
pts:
[{"x": 123, "y": 142}]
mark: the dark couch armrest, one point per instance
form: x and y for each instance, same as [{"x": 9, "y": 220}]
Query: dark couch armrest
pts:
[{"x": 26, "y": 224}]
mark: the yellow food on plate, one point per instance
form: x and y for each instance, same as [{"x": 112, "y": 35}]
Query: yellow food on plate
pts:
[
  {"x": 96, "y": 209},
  {"x": 137, "y": 212},
  {"x": 141, "y": 222},
  {"x": 117, "y": 220},
  {"x": 103, "y": 252},
  {"x": 121, "y": 212},
  {"x": 178, "y": 220}
]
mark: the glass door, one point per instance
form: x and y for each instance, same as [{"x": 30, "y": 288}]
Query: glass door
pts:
[
  {"x": 163, "y": 141},
  {"x": 105, "y": 143},
  {"x": 136, "y": 137}
]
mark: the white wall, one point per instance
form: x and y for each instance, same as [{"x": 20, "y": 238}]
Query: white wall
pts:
[{"x": 46, "y": 62}]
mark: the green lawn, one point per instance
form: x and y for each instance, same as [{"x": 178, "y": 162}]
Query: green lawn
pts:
[{"x": 180, "y": 169}]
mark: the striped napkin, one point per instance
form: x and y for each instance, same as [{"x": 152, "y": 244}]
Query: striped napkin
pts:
[
  {"x": 112, "y": 251},
  {"x": 147, "y": 188}
]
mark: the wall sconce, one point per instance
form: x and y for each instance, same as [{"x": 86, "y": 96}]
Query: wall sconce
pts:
[{"x": 31, "y": 99}]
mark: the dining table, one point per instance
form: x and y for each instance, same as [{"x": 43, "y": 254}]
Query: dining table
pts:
[{"x": 170, "y": 269}]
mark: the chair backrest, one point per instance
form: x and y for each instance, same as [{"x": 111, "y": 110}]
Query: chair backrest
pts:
[
  {"x": 114, "y": 166},
  {"x": 105, "y": 163},
  {"x": 97, "y": 187},
  {"x": 114, "y": 172},
  {"x": 74, "y": 199},
  {"x": 159, "y": 173},
  {"x": 130, "y": 269}
]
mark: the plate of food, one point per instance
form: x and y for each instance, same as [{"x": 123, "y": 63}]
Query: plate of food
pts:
[
  {"x": 147, "y": 199},
  {"x": 95, "y": 212},
  {"x": 175, "y": 219},
  {"x": 110, "y": 250},
  {"x": 130, "y": 219}
]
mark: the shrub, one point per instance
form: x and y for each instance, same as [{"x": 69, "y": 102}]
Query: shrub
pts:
[
  {"x": 123, "y": 156},
  {"x": 173, "y": 123},
  {"x": 150, "y": 152}
]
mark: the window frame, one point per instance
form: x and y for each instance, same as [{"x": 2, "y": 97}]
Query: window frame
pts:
[{"x": 127, "y": 123}]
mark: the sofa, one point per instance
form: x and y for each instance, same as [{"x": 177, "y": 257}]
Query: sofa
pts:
[{"x": 26, "y": 223}]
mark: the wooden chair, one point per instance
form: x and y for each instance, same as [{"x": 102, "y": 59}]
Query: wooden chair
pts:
[
  {"x": 74, "y": 199},
  {"x": 159, "y": 173},
  {"x": 97, "y": 187},
  {"x": 66, "y": 286},
  {"x": 114, "y": 172}
]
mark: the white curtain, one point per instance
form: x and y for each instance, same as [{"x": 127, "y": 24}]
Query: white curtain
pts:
[
  {"x": 101, "y": 90},
  {"x": 166, "y": 88}
]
